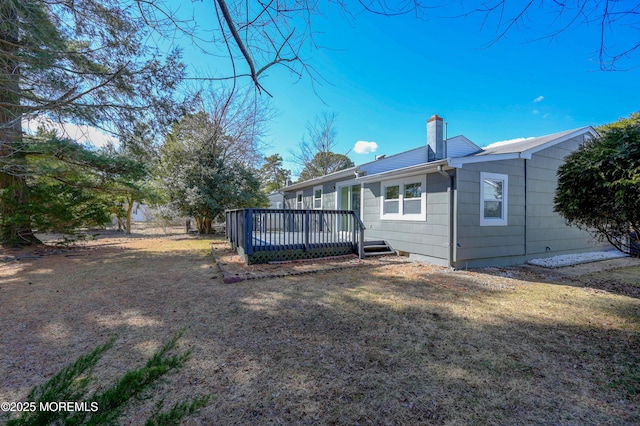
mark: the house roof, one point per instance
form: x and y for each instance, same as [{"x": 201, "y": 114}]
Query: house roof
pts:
[
  {"x": 530, "y": 143},
  {"x": 414, "y": 160},
  {"x": 522, "y": 148},
  {"x": 404, "y": 159}
]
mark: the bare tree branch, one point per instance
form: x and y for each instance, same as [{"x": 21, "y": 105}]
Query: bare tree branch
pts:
[{"x": 606, "y": 15}]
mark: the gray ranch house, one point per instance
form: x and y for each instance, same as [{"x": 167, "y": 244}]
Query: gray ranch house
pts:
[{"x": 452, "y": 203}]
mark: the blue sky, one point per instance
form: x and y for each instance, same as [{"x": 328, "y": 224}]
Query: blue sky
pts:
[{"x": 387, "y": 75}]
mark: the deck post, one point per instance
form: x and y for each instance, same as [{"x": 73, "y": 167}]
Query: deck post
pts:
[
  {"x": 354, "y": 238},
  {"x": 358, "y": 234},
  {"x": 236, "y": 232},
  {"x": 306, "y": 229},
  {"x": 248, "y": 231}
]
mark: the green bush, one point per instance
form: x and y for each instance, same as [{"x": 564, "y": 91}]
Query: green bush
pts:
[{"x": 106, "y": 407}]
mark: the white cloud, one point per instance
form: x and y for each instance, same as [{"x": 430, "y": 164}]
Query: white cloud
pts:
[
  {"x": 547, "y": 115},
  {"x": 539, "y": 99},
  {"x": 535, "y": 112},
  {"x": 83, "y": 134},
  {"x": 364, "y": 147}
]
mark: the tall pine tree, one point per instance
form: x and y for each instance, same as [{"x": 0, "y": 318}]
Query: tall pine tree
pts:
[{"x": 71, "y": 61}]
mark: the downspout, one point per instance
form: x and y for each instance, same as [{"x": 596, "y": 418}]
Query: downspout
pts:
[
  {"x": 526, "y": 249},
  {"x": 451, "y": 214}
]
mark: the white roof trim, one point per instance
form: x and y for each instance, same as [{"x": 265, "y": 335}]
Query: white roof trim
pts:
[{"x": 460, "y": 161}]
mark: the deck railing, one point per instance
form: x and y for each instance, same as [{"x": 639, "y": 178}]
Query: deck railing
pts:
[{"x": 256, "y": 230}]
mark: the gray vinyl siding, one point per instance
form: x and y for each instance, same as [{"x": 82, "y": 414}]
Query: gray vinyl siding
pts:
[
  {"x": 428, "y": 238},
  {"x": 307, "y": 198},
  {"x": 534, "y": 230},
  {"x": 328, "y": 196},
  {"x": 290, "y": 200},
  {"x": 474, "y": 242},
  {"x": 547, "y": 232}
]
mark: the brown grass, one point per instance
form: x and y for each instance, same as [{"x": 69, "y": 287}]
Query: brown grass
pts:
[{"x": 399, "y": 343}]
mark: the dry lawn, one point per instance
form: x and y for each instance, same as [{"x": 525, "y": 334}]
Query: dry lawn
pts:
[{"x": 372, "y": 342}]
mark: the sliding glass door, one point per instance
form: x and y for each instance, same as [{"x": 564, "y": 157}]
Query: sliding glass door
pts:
[{"x": 349, "y": 199}]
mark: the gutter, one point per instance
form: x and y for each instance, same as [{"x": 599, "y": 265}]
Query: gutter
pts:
[
  {"x": 340, "y": 174},
  {"x": 406, "y": 171}
]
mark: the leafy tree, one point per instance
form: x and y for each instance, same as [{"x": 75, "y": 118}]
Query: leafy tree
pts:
[
  {"x": 622, "y": 123},
  {"x": 206, "y": 186},
  {"x": 81, "y": 62},
  {"x": 201, "y": 172},
  {"x": 599, "y": 185},
  {"x": 272, "y": 175}
]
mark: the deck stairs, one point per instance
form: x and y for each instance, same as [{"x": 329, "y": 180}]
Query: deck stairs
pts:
[{"x": 377, "y": 248}]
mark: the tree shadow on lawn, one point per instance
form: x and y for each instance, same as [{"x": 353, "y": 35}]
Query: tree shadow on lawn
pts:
[
  {"x": 56, "y": 308},
  {"x": 372, "y": 346},
  {"x": 386, "y": 349}
]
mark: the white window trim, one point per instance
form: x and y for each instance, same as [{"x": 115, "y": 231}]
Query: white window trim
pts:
[
  {"x": 317, "y": 188},
  {"x": 422, "y": 216},
  {"x": 300, "y": 204},
  {"x": 503, "y": 221}
]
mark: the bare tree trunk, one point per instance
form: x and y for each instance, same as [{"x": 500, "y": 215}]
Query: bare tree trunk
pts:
[
  {"x": 204, "y": 224},
  {"x": 200, "y": 224},
  {"x": 130, "y": 201},
  {"x": 15, "y": 224}
]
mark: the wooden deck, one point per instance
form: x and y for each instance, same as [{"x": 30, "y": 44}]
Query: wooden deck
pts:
[
  {"x": 263, "y": 235},
  {"x": 284, "y": 239}
]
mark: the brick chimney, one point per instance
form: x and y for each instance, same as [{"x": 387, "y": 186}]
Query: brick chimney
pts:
[{"x": 435, "y": 138}]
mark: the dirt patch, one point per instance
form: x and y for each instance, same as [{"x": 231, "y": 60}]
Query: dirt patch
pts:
[{"x": 235, "y": 269}]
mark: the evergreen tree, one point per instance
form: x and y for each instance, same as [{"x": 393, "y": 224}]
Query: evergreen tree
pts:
[
  {"x": 324, "y": 163},
  {"x": 80, "y": 62},
  {"x": 599, "y": 185},
  {"x": 70, "y": 185},
  {"x": 272, "y": 175}
]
